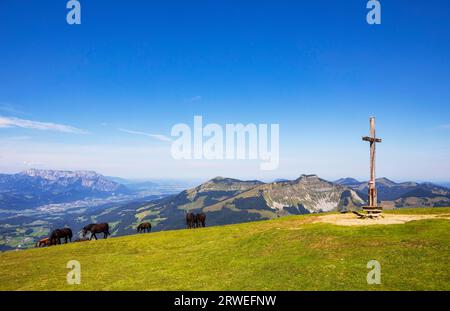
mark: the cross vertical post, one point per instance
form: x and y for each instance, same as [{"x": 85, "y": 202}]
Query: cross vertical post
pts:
[{"x": 372, "y": 192}]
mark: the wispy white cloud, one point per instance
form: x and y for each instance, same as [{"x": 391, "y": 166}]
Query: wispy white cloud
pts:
[
  {"x": 444, "y": 126},
  {"x": 7, "y": 122},
  {"x": 155, "y": 136}
]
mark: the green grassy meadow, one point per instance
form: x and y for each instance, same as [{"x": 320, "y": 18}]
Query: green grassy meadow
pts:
[{"x": 289, "y": 253}]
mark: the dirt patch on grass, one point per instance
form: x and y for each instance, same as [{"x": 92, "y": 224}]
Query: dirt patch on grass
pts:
[{"x": 350, "y": 219}]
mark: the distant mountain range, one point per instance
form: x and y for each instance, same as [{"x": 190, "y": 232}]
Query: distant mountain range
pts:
[
  {"x": 405, "y": 194},
  {"x": 445, "y": 184},
  {"x": 34, "y": 202},
  {"x": 33, "y": 188}
]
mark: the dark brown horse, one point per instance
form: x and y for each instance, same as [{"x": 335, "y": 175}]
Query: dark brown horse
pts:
[
  {"x": 200, "y": 220},
  {"x": 145, "y": 226},
  {"x": 190, "y": 220},
  {"x": 58, "y": 234},
  {"x": 96, "y": 228}
]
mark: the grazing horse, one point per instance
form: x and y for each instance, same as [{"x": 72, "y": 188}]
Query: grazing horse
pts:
[
  {"x": 58, "y": 234},
  {"x": 145, "y": 226},
  {"x": 200, "y": 220},
  {"x": 190, "y": 220},
  {"x": 43, "y": 242},
  {"x": 96, "y": 228}
]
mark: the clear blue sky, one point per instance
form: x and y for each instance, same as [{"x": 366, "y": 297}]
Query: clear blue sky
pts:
[{"x": 314, "y": 67}]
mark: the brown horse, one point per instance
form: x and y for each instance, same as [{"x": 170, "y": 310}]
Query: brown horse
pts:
[
  {"x": 200, "y": 220},
  {"x": 58, "y": 234},
  {"x": 96, "y": 228},
  {"x": 190, "y": 220},
  {"x": 145, "y": 226},
  {"x": 43, "y": 242}
]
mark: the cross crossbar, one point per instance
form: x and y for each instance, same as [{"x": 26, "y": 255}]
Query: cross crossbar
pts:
[{"x": 371, "y": 139}]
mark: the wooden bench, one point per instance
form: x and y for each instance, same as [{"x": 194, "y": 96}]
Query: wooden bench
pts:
[{"x": 370, "y": 212}]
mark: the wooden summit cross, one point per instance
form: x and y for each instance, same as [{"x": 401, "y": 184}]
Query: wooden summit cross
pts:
[{"x": 373, "y": 207}]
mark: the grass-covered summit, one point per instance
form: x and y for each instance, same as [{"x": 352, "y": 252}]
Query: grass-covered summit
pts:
[{"x": 290, "y": 253}]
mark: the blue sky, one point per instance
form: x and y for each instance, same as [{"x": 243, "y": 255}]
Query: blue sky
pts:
[{"x": 314, "y": 67}]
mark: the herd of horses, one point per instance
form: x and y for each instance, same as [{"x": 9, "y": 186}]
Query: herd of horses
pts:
[
  {"x": 66, "y": 233},
  {"x": 195, "y": 220},
  {"x": 192, "y": 221}
]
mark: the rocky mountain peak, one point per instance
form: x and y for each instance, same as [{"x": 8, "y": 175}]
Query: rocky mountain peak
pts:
[
  {"x": 56, "y": 174},
  {"x": 87, "y": 179},
  {"x": 312, "y": 178},
  {"x": 347, "y": 181},
  {"x": 220, "y": 179},
  {"x": 385, "y": 181}
]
